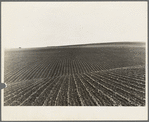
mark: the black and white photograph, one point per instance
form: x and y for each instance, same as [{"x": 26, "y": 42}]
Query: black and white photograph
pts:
[{"x": 74, "y": 54}]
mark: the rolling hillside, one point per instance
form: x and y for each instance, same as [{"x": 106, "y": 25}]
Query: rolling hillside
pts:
[{"x": 111, "y": 74}]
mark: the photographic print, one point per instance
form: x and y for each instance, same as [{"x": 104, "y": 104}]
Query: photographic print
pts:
[{"x": 74, "y": 54}]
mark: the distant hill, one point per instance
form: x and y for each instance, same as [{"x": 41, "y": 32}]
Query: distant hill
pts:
[
  {"x": 83, "y": 45},
  {"x": 108, "y": 43},
  {"x": 102, "y": 44}
]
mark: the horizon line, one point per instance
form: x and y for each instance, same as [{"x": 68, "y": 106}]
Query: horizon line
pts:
[{"x": 76, "y": 45}]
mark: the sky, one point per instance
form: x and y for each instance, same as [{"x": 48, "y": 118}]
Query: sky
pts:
[{"x": 41, "y": 24}]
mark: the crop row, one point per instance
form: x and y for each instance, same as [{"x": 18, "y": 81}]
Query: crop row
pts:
[
  {"x": 104, "y": 88},
  {"x": 48, "y": 63}
]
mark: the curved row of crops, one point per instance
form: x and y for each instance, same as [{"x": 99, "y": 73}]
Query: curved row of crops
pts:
[
  {"x": 30, "y": 64},
  {"x": 104, "y": 88},
  {"x": 103, "y": 76}
]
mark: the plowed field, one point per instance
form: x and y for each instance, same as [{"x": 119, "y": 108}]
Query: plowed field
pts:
[{"x": 75, "y": 76}]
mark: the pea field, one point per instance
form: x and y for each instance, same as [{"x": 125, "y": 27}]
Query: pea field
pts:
[{"x": 84, "y": 75}]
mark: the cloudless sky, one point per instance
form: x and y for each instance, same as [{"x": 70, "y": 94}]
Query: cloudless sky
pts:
[{"x": 39, "y": 24}]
